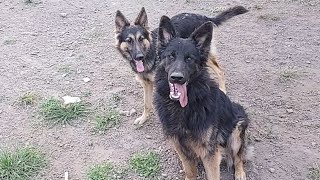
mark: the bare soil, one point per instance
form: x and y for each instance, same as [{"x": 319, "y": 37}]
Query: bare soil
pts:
[{"x": 270, "y": 56}]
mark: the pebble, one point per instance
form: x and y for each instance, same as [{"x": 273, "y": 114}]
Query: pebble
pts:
[
  {"x": 289, "y": 111},
  {"x": 271, "y": 170},
  {"x": 148, "y": 137},
  {"x": 164, "y": 174},
  {"x": 257, "y": 139},
  {"x": 308, "y": 62},
  {"x": 86, "y": 79},
  {"x": 63, "y": 15},
  {"x": 313, "y": 143},
  {"x": 132, "y": 112}
]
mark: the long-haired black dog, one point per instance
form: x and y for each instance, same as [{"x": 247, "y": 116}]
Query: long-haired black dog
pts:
[
  {"x": 197, "y": 117},
  {"x": 137, "y": 44}
]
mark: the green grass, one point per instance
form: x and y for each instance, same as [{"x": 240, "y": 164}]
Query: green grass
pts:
[
  {"x": 107, "y": 121},
  {"x": 9, "y": 41},
  {"x": 28, "y": 99},
  {"x": 288, "y": 75},
  {"x": 106, "y": 171},
  {"x": 146, "y": 164},
  {"x": 269, "y": 17},
  {"x": 314, "y": 172},
  {"x": 23, "y": 164},
  {"x": 55, "y": 112}
]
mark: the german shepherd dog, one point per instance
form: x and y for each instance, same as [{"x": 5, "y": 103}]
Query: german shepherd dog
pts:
[
  {"x": 196, "y": 116},
  {"x": 138, "y": 46}
]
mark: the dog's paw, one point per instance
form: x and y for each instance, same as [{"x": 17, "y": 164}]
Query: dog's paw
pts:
[
  {"x": 240, "y": 175},
  {"x": 140, "y": 120}
]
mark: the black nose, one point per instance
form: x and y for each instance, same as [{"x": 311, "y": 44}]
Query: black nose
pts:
[
  {"x": 176, "y": 76},
  {"x": 139, "y": 57}
]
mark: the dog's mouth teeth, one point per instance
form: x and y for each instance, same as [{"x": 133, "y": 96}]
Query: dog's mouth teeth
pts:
[{"x": 174, "y": 93}]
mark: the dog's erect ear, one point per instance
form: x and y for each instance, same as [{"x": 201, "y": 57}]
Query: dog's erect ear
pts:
[
  {"x": 142, "y": 19},
  {"x": 166, "y": 30},
  {"x": 203, "y": 35},
  {"x": 121, "y": 21}
]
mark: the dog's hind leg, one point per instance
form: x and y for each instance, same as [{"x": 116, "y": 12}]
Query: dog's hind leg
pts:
[
  {"x": 189, "y": 165},
  {"x": 147, "y": 96},
  {"x": 213, "y": 65},
  {"x": 236, "y": 148},
  {"x": 211, "y": 165}
]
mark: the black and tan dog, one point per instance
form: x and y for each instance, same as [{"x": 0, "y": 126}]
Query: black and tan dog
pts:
[
  {"x": 197, "y": 117},
  {"x": 138, "y": 46}
]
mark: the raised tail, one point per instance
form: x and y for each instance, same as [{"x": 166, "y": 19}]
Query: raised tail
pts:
[{"x": 227, "y": 14}]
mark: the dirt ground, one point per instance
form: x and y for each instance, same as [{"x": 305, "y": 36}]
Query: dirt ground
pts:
[{"x": 270, "y": 56}]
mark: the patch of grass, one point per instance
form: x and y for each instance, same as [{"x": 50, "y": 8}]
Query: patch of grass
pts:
[
  {"x": 288, "y": 75},
  {"x": 269, "y": 17},
  {"x": 23, "y": 164},
  {"x": 55, "y": 112},
  {"x": 107, "y": 121},
  {"x": 314, "y": 172},
  {"x": 106, "y": 171},
  {"x": 28, "y": 99},
  {"x": 9, "y": 41},
  {"x": 146, "y": 164}
]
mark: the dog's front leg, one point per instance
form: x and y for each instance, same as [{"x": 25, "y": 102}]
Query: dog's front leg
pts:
[
  {"x": 211, "y": 164},
  {"x": 147, "y": 96}
]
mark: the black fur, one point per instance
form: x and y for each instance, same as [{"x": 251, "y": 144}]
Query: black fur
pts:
[{"x": 208, "y": 107}]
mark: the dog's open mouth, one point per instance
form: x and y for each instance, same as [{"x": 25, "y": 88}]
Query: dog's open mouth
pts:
[
  {"x": 139, "y": 65},
  {"x": 179, "y": 92}
]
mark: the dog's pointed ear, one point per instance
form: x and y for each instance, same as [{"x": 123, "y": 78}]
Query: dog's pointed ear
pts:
[
  {"x": 142, "y": 19},
  {"x": 166, "y": 30},
  {"x": 203, "y": 35},
  {"x": 121, "y": 21}
]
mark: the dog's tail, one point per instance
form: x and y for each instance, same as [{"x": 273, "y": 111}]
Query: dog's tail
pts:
[{"x": 227, "y": 14}]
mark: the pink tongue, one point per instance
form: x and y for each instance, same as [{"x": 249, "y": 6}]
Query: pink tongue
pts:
[
  {"x": 184, "y": 95},
  {"x": 139, "y": 65}
]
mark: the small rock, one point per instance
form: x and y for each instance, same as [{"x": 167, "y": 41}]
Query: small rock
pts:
[
  {"x": 148, "y": 137},
  {"x": 64, "y": 75},
  {"x": 86, "y": 79},
  {"x": 313, "y": 143},
  {"x": 132, "y": 112},
  {"x": 90, "y": 144},
  {"x": 63, "y": 15},
  {"x": 271, "y": 170},
  {"x": 289, "y": 111},
  {"x": 308, "y": 62},
  {"x": 181, "y": 171},
  {"x": 257, "y": 139},
  {"x": 125, "y": 113},
  {"x": 247, "y": 61},
  {"x": 164, "y": 174},
  {"x": 69, "y": 99}
]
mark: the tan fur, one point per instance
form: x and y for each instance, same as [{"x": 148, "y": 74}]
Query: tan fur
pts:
[
  {"x": 216, "y": 72},
  {"x": 235, "y": 144},
  {"x": 147, "y": 96},
  {"x": 211, "y": 161},
  {"x": 212, "y": 165},
  {"x": 189, "y": 166}
]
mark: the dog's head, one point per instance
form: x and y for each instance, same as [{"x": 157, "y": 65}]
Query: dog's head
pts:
[
  {"x": 133, "y": 41},
  {"x": 183, "y": 59}
]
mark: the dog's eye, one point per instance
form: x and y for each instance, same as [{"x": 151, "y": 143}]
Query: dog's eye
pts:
[
  {"x": 141, "y": 38},
  {"x": 171, "y": 57},
  {"x": 128, "y": 40},
  {"x": 189, "y": 59}
]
